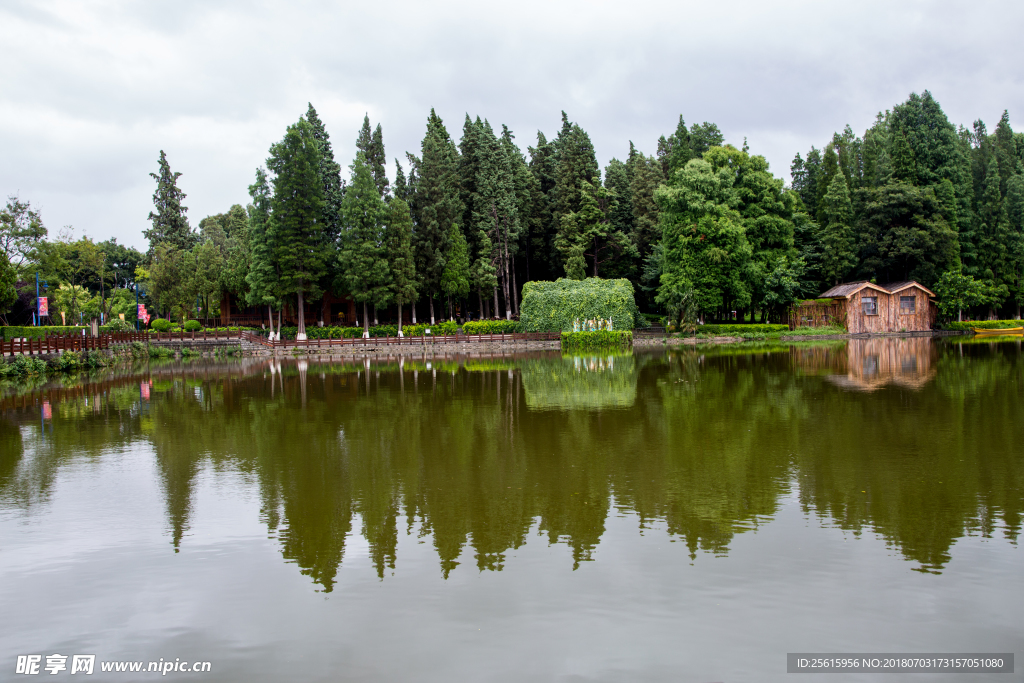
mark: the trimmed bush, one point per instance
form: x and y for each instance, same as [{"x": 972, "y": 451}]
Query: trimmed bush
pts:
[
  {"x": 552, "y": 306},
  {"x": 161, "y": 325},
  {"x": 600, "y": 339},
  {"x": 739, "y": 330},
  {"x": 492, "y": 327},
  {"x": 966, "y": 325},
  {"x": 440, "y": 328},
  {"x": 117, "y": 325},
  {"x": 193, "y": 326},
  {"x": 10, "y": 332}
]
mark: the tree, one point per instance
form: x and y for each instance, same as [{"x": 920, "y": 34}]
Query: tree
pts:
[
  {"x": 261, "y": 277},
  {"x": 675, "y": 150},
  {"x": 170, "y": 224},
  {"x": 455, "y": 280},
  {"x": 8, "y": 286},
  {"x": 903, "y": 234},
  {"x": 704, "y": 242},
  {"x": 439, "y": 205},
  {"x": 204, "y": 265},
  {"x": 588, "y": 232},
  {"x": 121, "y": 262},
  {"x": 957, "y": 291},
  {"x": 401, "y": 259},
  {"x": 363, "y": 255},
  {"x": 703, "y": 137},
  {"x": 372, "y": 147},
  {"x": 21, "y": 230},
  {"x": 838, "y": 250},
  {"x": 296, "y": 230}
]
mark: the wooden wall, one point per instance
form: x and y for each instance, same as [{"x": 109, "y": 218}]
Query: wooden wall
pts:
[{"x": 889, "y": 318}]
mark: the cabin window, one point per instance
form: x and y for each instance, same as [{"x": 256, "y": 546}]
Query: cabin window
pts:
[
  {"x": 869, "y": 305},
  {"x": 908, "y": 305}
]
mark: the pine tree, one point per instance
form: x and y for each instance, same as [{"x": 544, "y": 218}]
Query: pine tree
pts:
[
  {"x": 838, "y": 253},
  {"x": 576, "y": 163},
  {"x": 588, "y": 232},
  {"x": 544, "y": 258},
  {"x": 402, "y": 190},
  {"x": 170, "y": 225},
  {"x": 646, "y": 227},
  {"x": 296, "y": 230},
  {"x": 703, "y": 137},
  {"x": 363, "y": 257},
  {"x": 400, "y": 256},
  {"x": 438, "y": 204},
  {"x": 829, "y": 170},
  {"x": 1013, "y": 207}
]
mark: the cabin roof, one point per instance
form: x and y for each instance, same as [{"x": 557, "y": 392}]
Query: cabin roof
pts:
[{"x": 848, "y": 289}]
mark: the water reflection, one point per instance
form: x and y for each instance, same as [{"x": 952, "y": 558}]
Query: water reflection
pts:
[{"x": 481, "y": 452}]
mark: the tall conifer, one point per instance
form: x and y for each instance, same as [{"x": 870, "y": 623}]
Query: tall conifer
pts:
[{"x": 170, "y": 226}]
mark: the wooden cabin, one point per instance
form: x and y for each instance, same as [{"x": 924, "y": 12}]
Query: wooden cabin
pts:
[{"x": 896, "y": 307}]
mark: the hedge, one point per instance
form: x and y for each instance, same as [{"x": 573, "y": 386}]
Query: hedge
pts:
[
  {"x": 553, "y": 306},
  {"x": 966, "y": 325},
  {"x": 332, "y": 332},
  {"x": 32, "y": 332},
  {"x": 727, "y": 330},
  {"x": 600, "y": 339},
  {"x": 492, "y": 327}
]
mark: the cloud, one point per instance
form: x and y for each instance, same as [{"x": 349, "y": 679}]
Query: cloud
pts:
[{"x": 92, "y": 91}]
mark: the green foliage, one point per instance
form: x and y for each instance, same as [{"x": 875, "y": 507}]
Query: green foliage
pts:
[
  {"x": 9, "y": 332},
  {"x": 193, "y": 325},
  {"x": 23, "y": 366},
  {"x": 117, "y": 325},
  {"x": 492, "y": 327},
  {"x": 335, "y": 332},
  {"x": 598, "y": 339},
  {"x": 735, "y": 330},
  {"x": 363, "y": 255},
  {"x": 170, "y": 226},
  {"x": 957, "y": 292},
  {"x": 814, "y": 331},
  {"x": 552, "y": 306},
  {"x": 160, "y": 325},
  {"x": 966, "y": 325}
]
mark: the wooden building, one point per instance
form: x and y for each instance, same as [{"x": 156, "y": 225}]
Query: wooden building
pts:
[
  {"x": 865, "y": 307},
  {"x": 330, "y": 310}
]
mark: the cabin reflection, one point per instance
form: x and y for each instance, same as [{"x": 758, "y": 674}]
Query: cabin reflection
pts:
[{"x": 870, "y": 364}]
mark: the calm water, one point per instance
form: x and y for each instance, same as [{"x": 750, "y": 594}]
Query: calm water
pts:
[{"x": 684, "y": 516}]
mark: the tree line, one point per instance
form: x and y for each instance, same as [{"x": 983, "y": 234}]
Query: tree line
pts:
[{"x": 701, "y": 228}]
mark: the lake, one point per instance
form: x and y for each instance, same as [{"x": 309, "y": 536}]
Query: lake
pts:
[{"x": 683, "y": 514}]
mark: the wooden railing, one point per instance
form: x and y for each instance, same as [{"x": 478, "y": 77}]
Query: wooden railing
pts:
[
  {"x": 68, "y": 342},
  {"x": 73, "y": 342}
]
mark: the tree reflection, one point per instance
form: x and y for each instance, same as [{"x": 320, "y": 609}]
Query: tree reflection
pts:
[{"x": 474, "y": 453}]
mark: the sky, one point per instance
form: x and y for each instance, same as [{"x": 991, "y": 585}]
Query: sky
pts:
[{"x": 90, "y": 92}]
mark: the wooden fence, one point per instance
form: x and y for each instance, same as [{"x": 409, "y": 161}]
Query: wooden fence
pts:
[{"x": 67, "y": 342}]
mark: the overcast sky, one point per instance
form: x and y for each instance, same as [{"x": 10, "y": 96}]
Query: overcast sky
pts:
[{"x": 90, "y": 92}]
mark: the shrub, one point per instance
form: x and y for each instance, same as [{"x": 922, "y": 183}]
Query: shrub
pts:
[
  {"x": 599, "y": 339},
  {"x": 815, "y": 331},
  {"x": 118, "y": 325},
  {"x": 69, "y": 361},
  {"x": 161, "y": 325},
  {"x": 331, "y": 332},
  {"x": 32, "y": 332},
  {"x": 193, "y": 326},
  {"x": 492, "y": 327},
  {"x": 552, "y": 306},
  {"x": 740, "y": 330},
  {"x": 966, "y": 325}
]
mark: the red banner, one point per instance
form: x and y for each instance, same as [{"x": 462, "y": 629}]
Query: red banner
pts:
[{"x": 44, "y": 307}]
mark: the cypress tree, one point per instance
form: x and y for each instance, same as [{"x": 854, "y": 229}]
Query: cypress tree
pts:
[
  {"x": 402, "y": 190},
  {"x": 455, "y": 279},
  {"x": 675, "y": 150},
  {"x": 170, "y": 224},
  {"x": 904, "y": 167},
  {"x": 438, "y": 204},
  {"x": 703, "y": 137},
  {"x": 829, "y": 170},
  {"x": 838, "y": 253},
  {"x": 400, "y": 256},
  {"x": 295, "y": 231},
  {"x": 1014, "y": 209},
  {"x": 363, "y": 258},
  {"x": 330, "y": 177},
  {"x": 646, "y": 227},
  {"x": 262, "y": 276},
  {"x": 371, "y": 144},
  {"x": 542, "y": 229}
]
